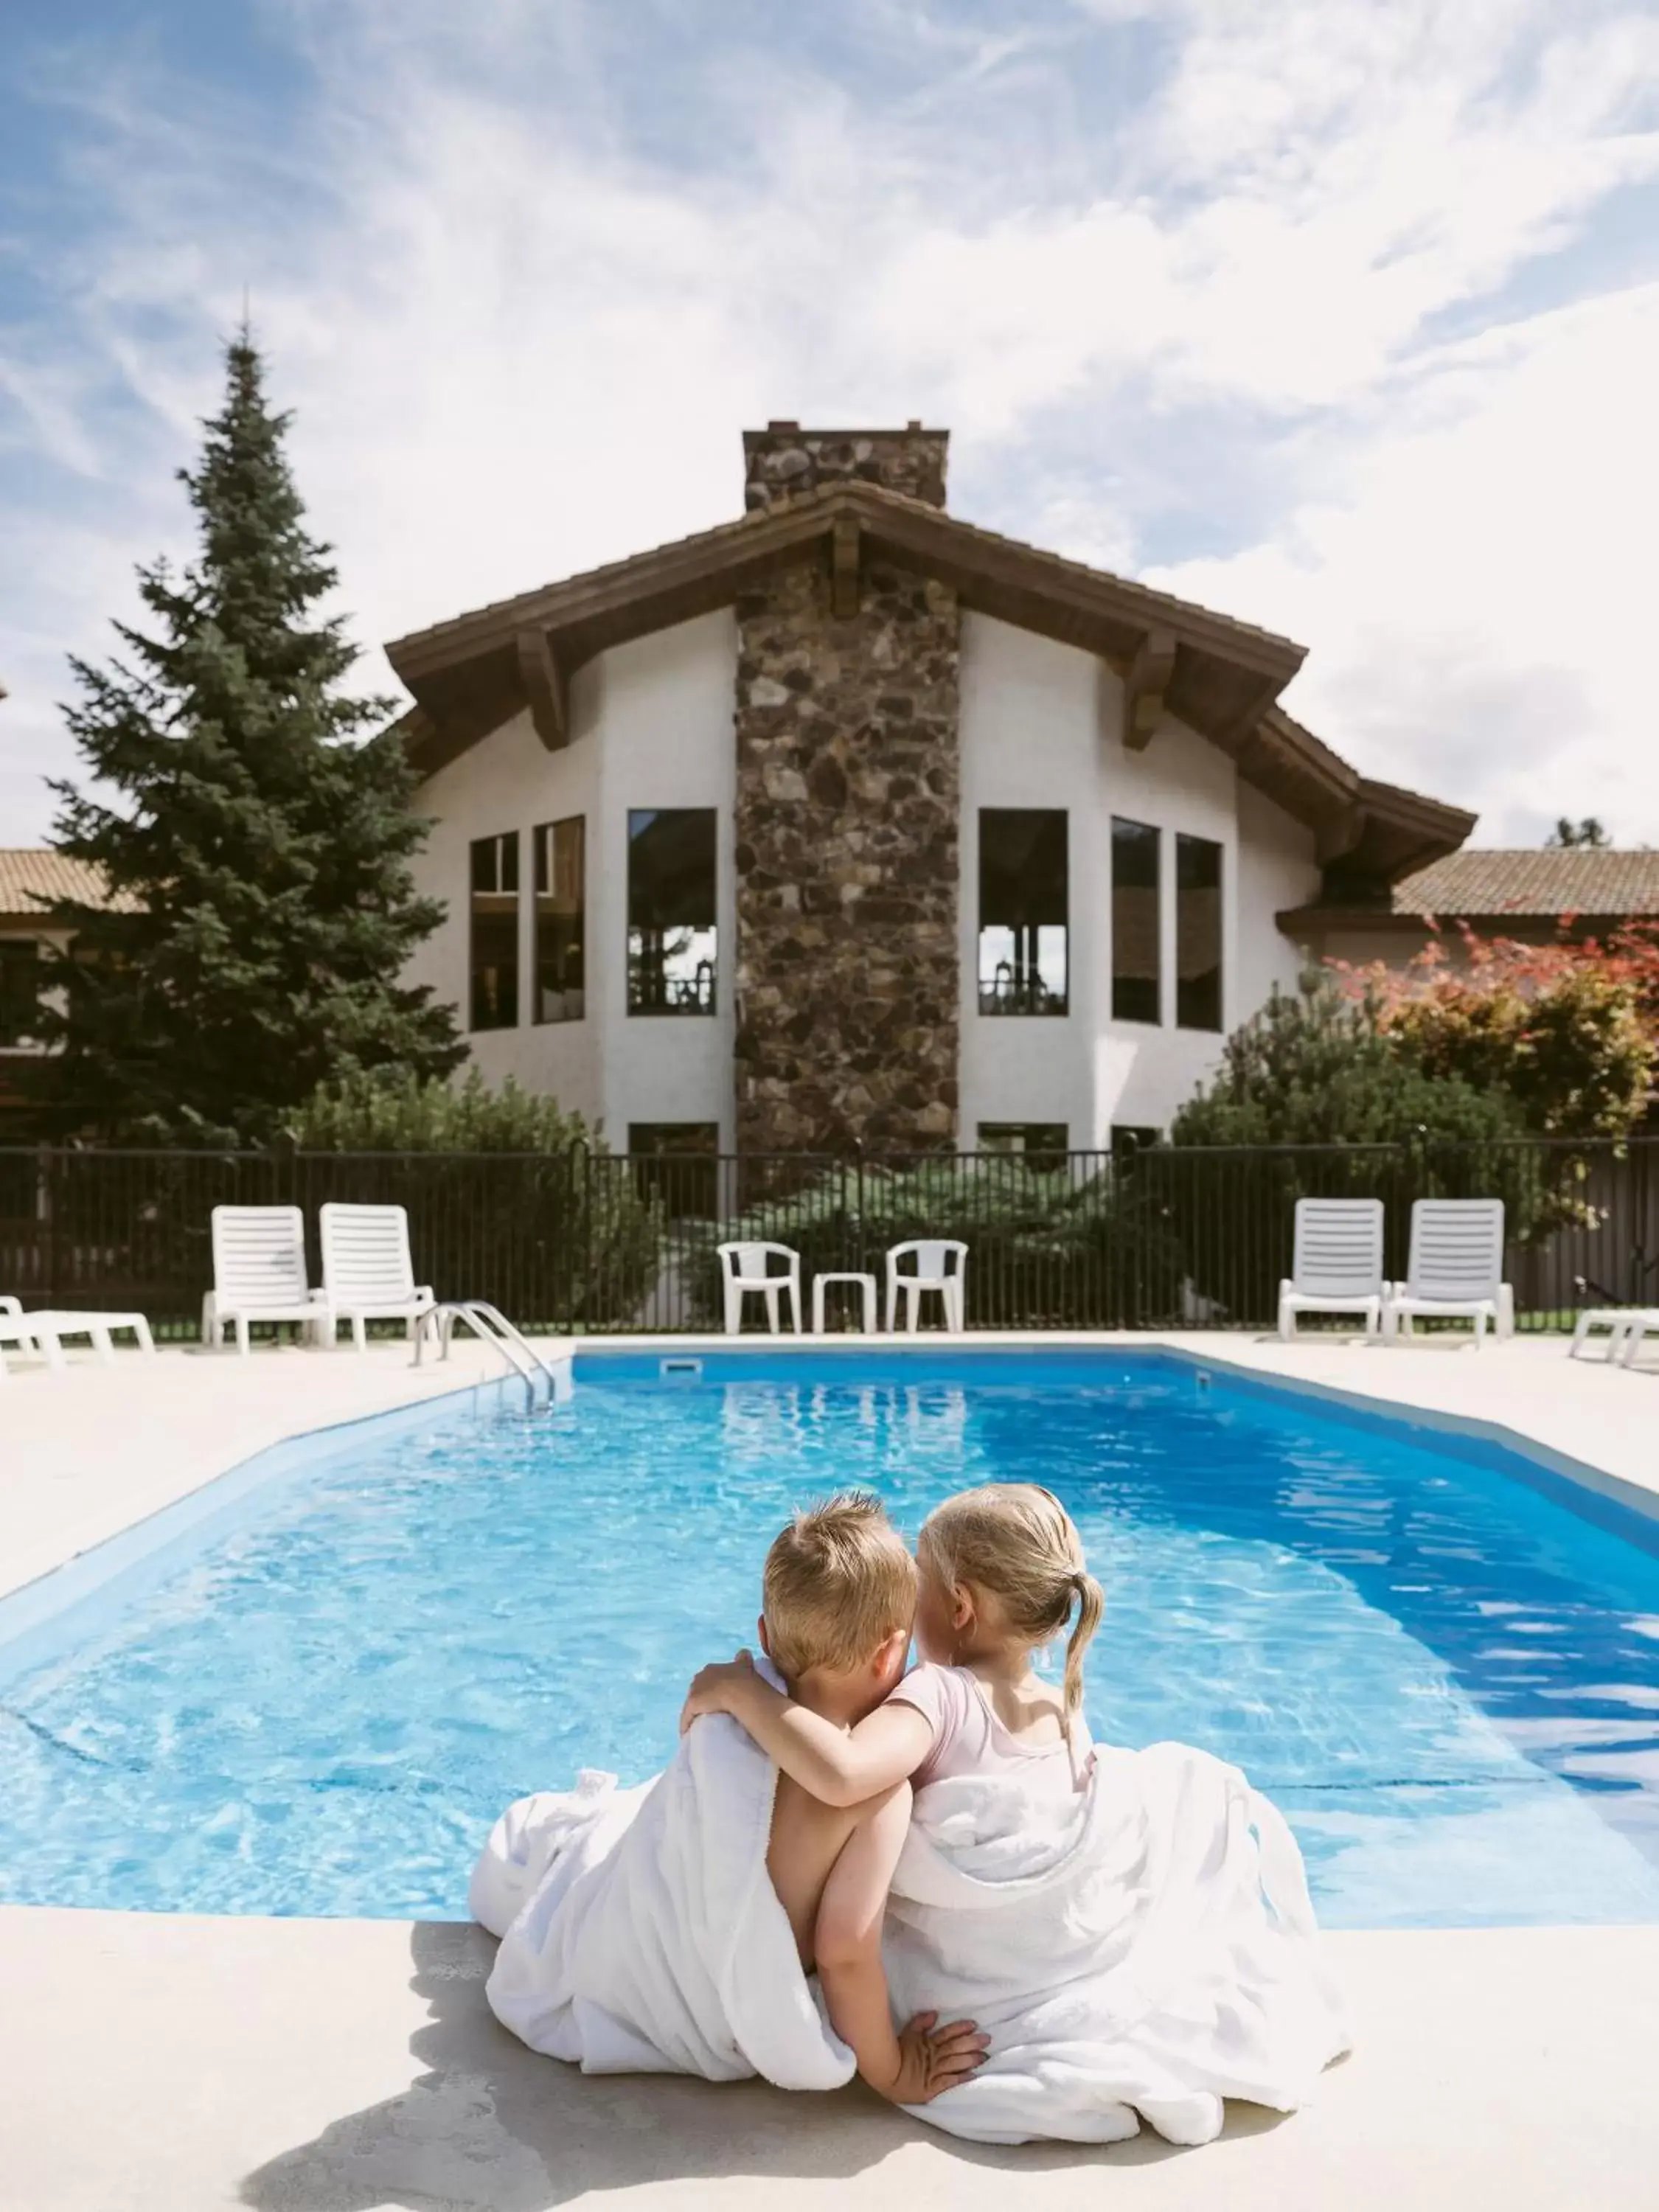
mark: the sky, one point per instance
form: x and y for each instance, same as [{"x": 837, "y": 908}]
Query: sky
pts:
[{"x": 1341, "y": 316}]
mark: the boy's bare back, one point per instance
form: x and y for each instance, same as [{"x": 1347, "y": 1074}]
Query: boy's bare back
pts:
[{"x": 807, "y": 1839}]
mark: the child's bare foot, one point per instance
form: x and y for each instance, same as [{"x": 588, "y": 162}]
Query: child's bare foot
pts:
[{"x": 932, "y": 2059}]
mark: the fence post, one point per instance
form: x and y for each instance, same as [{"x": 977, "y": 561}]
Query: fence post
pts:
[
  {"x": 579, "y": 1209},
  {"x": 45, "y": 1214}
]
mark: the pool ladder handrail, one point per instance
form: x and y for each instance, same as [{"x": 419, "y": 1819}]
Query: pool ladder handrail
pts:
[{"x": 491, "y": 1326}]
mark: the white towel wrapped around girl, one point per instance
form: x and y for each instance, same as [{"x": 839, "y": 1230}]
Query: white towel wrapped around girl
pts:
[{"x": 1147, "y": 1949}]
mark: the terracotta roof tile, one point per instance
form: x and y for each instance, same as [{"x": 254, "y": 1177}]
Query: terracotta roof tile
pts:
[
  {"x": 1547, "y": 883},
  {"x": 31, "y": 874}
]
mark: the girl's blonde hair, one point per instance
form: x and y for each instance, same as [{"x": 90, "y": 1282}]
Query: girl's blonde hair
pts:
[{"x": 1017, "y": 1542}]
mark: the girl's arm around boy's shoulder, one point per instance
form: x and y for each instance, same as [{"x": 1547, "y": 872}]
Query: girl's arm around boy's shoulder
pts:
[{"x": 838, "y": 1765}]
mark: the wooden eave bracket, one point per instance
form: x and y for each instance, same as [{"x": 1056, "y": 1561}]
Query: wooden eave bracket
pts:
[
  {"x": 544, "y": 688},
  {"x": 1339, "y": 833},
  {"x": 844, "y": 567},
  {"x": 1144, "y": 687}
]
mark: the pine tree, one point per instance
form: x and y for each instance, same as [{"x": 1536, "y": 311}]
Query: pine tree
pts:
[{"x": 255, "y": 839}]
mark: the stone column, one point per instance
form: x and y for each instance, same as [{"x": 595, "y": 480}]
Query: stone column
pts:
[{"x": 847, "y": 829}]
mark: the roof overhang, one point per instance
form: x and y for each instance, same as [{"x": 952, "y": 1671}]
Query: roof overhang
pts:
[
  {"x": 1322, "y": 919},
  {"x": 1220, "y": 677}
]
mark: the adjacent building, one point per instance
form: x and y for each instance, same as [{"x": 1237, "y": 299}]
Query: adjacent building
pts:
[
  {"x": 850, "y": 821},
  {"x": 1533, "y": 897},
  {"x": 30, "y": 880}
]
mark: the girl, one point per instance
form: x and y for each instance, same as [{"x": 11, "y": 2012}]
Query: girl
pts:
[{"x": 1001, "y": 1571}]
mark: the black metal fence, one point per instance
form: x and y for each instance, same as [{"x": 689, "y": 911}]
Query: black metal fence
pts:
[{"x": 589, "y": 1241}]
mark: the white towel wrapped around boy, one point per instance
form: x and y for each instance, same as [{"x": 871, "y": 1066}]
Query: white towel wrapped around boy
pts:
[{"x": 1129, "y": 1932}]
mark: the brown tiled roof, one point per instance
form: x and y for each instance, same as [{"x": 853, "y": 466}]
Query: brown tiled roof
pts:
[
  {"x": 1548, "y": 883},
  {"x": 32, "y": 876},
  {"x": 470, "y": 674},
  {"x": 825, "y": 498}
]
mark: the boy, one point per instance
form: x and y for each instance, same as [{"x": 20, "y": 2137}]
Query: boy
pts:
[{"x": 838, "y": 1594}]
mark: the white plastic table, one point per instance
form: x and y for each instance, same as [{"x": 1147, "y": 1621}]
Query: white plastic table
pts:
[{"x": 819, "y": 1283}]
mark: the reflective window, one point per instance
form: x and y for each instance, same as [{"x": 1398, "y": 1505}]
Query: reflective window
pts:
[
  {"x": 20, "y": 989},
  {"x": 494, "y": 957},
  {"x": 1023, "y": 891},
  {"x": 1136, "y": 967},
  {"x": 1041, "y": 1144},
  {"x": 1197, "y": 934},
  {"x": 678, "y": 1164},
  {"x": 670, "y": 910},
  {"x": 560, "y": 920}
]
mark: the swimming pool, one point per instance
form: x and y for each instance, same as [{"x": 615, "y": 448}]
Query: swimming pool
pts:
[{"x": 1441, "y": 1660}]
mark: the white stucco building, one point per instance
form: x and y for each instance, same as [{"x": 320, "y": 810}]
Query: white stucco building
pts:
[{"x": 1044, "y": 824}]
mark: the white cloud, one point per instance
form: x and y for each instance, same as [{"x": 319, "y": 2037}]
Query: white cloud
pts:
[
  {"x": 1475, "y": 578},
  {"x": 523, "y": 313}
]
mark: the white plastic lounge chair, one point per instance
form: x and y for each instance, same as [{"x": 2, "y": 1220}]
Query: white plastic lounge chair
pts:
[
  {"x": 1457, "y": 1269},
  {"x": 259, "y": 1274},
  {"x": 368, "y": 1275},
  {"x": 1619, "y": 1321},
  {"x": 747, "y": 1267},
  {"x": 1338, "y": 1262},
  {"x": 14, "y": 1330},
  {"x": 44, "y": 1330},
  {"x": 1637, "y": 1326},
  {"x": 941, "y": 1264}
]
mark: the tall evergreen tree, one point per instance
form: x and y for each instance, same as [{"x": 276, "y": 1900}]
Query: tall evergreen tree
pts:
[{"x": 255, "y": 839}]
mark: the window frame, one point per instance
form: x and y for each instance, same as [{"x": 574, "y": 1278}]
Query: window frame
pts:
[
  {"x": 1048, "y": 1155},
  {"x": 704, "y": 1001},
  {"x": 1154, "y": 834},
  {"x": 24, "y": 1039},
  {"x": 1186, "y": 840},
  {"x": 506, "y": 844},
  {"x": 683, "y": 1177},
  {"x": 542, "y": 838},
  {"x": 1031, "y": 997}
]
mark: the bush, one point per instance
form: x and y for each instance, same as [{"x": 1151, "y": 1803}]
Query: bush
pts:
[
  {"x": 1572, "y": 1054},
  {"x": 394, "y": 1111},
  {"x": 1320, "y": 1067},
  {"x": 1046, "y": 1250},
  {"x": 523, "y": 1207},
  {"x": 1331, "y": 1102}
]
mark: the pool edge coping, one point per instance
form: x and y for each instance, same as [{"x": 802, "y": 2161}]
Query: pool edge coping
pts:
[{"x": 30, "y": 1608}]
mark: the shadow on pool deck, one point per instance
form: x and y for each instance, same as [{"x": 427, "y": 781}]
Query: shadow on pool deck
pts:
[{"x": 489, "y": 2124}]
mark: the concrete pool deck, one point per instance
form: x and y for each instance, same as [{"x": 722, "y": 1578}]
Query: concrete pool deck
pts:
[
  {"x": 157, "y": 2064},
  {"x": 164, "y": 2062}
]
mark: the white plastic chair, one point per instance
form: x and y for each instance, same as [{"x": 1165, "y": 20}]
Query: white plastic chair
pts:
[
  {"x": 1337, "y": 1266},
  {"x": 1457, "y": 1269},
  {"x": 941, "y": 1264},
  {"x": 747, "y": 1267},
  {"x": 259, "y": 1274},
  {"x": 1625, "y": 1326},
  {"x": 368, "y": 1275}
]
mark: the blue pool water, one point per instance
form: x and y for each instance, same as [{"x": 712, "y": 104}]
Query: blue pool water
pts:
[{"x": 1442, "y": 1662}]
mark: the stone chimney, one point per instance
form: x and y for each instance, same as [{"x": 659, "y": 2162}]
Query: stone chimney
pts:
[
  {"x": 783, "y": 460},
  {"x": 847, "y": 819}
]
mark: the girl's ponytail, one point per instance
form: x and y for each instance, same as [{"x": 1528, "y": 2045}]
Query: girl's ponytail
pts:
[
  {"x": 1091, "y": 1605},
  {"x": 1019, "y": 1541}
]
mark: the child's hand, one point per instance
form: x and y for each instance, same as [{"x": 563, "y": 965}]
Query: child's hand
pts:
[
  {"x": 709, "y": 1690},
  {"x": 932, "y": 2059}
]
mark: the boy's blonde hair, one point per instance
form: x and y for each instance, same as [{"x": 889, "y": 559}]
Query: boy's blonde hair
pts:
[
  {"x": 1017, "y": 1542},
  {"x": 837, "y": 1582}
]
